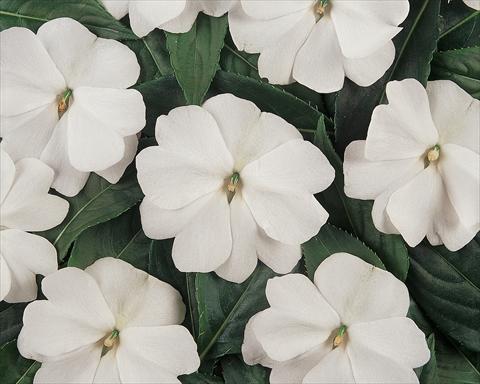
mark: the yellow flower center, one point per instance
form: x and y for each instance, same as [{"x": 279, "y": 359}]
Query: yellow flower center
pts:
[
  {"x": 111, "y": 339},
  {"x": 340, "y": 336},
  {"x": 63, "y": 102},
  {"x": 320, "y": 8},
  {"x": 433, "y": 154},
  {"x": 233, "y": 183}
]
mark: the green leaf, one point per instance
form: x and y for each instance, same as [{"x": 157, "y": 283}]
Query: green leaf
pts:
[
  {"x": 224, "y": 309},
  {"x": 447, "y": 287},
  {"x": 355, "y": 216},
  {"x": 332, "y": 240},
  {"x": 152, "y": 55},
  {"x": 414, "y": 46},
  {"x": 195, "y": 55},
  {"x": 455, "y": 366},
  {"x": 10, "y": 321},
  {"x": 461, "y": 66},
  {"x": 459, "y": 27},
  {"x": 160, "y": 97},
  {"x": 269, "y": 98},
  {"x": 200, "y": 378},
  {"x": 32, "y": 14},
  {"x": 121, "y": 238},
  {"x": 14, "y": 369},
  {"x": 428, "y": 373},
  {"x": 160, "y": 265},
  {"x": 99, "y": 201},
  {"x": 235, "y": 371}
]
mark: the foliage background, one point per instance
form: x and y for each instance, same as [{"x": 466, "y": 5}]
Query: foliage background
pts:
[{"x": 440, "y": 40}]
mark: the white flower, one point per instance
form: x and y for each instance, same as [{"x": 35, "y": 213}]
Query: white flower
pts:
[
  {"x": 231, "y": 183},
  {"x": 110, "y": 323},
  {"x": 475, "y": 4},
  {"x": 173, "y": 16},
  {"x": 25, "y": 205},
  {"x": 319, "y": 42},
  {"x": 63, "y": 100},
  {"x": 421, "y": 164},
  {"x": 348, "y": 327}
]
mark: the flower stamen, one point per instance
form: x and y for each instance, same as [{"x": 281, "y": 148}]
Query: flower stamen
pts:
[
  {"x": 433, "y": 154},
  {"x": 339, "y": 338},
  {"x": 232, "y": 185},
  {"x": 63, "y": 102},
  {"x": 320, "y": 7},
  {"x": 110, "y": 341}
]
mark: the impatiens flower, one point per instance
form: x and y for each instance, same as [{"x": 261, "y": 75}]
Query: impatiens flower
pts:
[
  {"x": 111, "y": 323},
  {"x": 475, "y": 4},
  {"x": 348, "y": 327},
  {"x": 319, "y": 42},
  {"x": 173, "y": 16},
  {"x": 25, "y": 205},
  {"x": 63, "y": 100},
  {"x": 231, "y": 183},
  {"x": 421, "y": 164}
]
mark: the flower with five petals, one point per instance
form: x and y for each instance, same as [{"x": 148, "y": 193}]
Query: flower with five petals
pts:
[
  {"x": 64, "y": 100},
  {"x": 231, "y": 183}
]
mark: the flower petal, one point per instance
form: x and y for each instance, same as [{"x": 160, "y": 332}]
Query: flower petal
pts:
[
  {"x": 334, "y": 368},
  {"x": 412, "y": 207},
  {"x": 26, "y": 135},
  {"x": 314, "y": 68},
  {"x": 117, "y": 8},
  {"x": 7, "y": 173},
  {"x": 293, "y": 166},
  {"x": 134, "y": 297},
  {"x": 172, "y": 181},
  {"x": 360, "y": 292},
  {"x": 146, "y": 15},
  {"x": 365, "y": 179},
  {"x": 205, "y": 242},
  {"x": 243, "y": 258},
  {"x": 156, "y": 354},
  {"x": 88, "y": 61},
  {"x": 159, "y": 223},
  {"x": 277, "y": 60},
  {"x": 460, "y": 170},
  {"x": 79, "y": 366},
  {"x": 24, "y": 256},
  {"x": 28, "y": 206},
  {"x": 116, "y": 171},
  {"x": 365, "y": 27},
  {"x": 252, "y": 351},
  {"x": 288, "y": 218},
  {"x": 253, "y": 35},
  {"x": 367, "y": 70},
  {"x": 107, "y": 371},
  {"x": 29, "y": 76},
  {"x": 216, "y": 8},
  {"x": 5, "y": 278},
  {"x": 403, "y": 128},
  {"x": 265, "y": 9},
  {"x": 373, "y": 368},
  {"x": 396, "y": 338},
  {"x": 279, "y": 257},
  {"x": 68, "y": 180},
  {"x": 183, "y": 22},
  {"x": 455, "y": 113}
]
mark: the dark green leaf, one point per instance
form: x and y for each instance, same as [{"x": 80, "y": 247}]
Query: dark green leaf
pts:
[
  {"x": 32, "y": 14},
  {"x": 200, "y": 378},
  {"x": 459, "y": 27},
  {"x": 454, "y": 365},
  {"x": 99, "y": 201},
  {"x": 461, "y": 66},
  {"x": 269, "y": 98},
  {"x": 428, "y": 373},
  {"x": 355, "y": 215},
  {"x": 235, "y": 371},
  {"x": 14, "y": 369},
  {"x": 332, "y": 240},
  {"x": 224, "y": 309},
  {"x": 160, "y": 96},
  {"x": 161, "y": 266},
  {"x": 120, "y": 238},
  {"x": 10, "y": 321},
  {"x": 241, "y": 63},
  {"x": 195, "y": 55},
  {"x": 414, "y": 46},
  {"x": 447, "y": 287}
]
